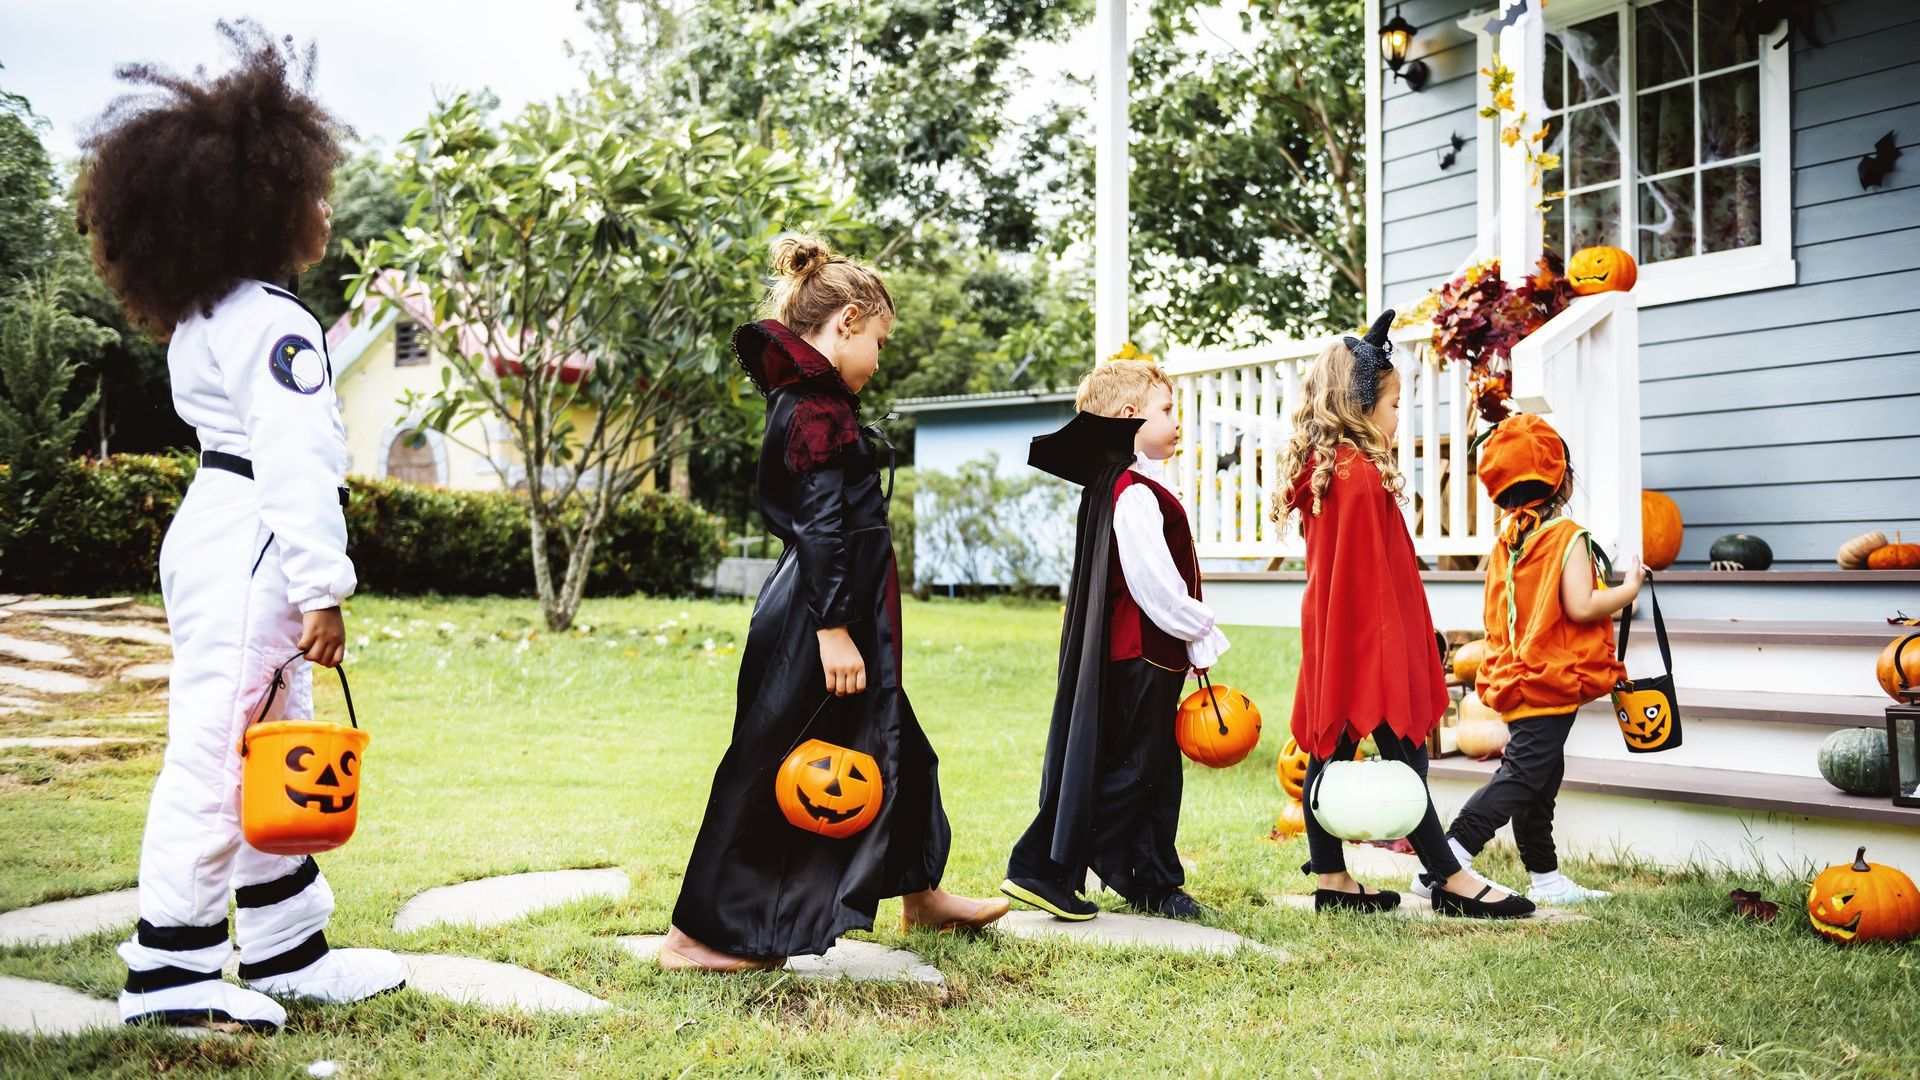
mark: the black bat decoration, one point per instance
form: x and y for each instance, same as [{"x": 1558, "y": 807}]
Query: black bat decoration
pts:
[
  {"x": 1448, "y": 157},
  {"x": 1764, "y": 17},
  {"x": 1505, "y": 19},
  {"x": 1875, "y": 166}
]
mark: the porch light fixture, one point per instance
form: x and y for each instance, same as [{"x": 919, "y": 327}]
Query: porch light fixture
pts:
[
  {"x": 1395, "y": 39},
  {"x": 1903, "y": 738}
]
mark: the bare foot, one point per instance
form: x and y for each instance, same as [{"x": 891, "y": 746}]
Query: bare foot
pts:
[
  {"x": 1465, "y": 884},
  {"x": 682, "y": 953},
  {"x": 938, "y": 909}
]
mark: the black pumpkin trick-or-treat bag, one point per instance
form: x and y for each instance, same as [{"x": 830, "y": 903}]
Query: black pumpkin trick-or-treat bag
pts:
[{"x": 1648, "y": 711}]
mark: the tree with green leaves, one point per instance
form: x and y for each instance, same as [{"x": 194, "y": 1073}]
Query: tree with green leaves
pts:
[
  {"x": 583, "y": 277},
  {"x": 38, "y": 337},
  {"x": 1248, "y": 193}
]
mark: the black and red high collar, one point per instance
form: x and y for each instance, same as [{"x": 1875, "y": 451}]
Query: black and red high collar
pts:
[{"x": 775, "y": 357}]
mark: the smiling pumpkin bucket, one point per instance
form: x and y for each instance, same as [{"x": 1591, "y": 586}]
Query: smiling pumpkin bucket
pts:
[{"x": 300, "y": 779}]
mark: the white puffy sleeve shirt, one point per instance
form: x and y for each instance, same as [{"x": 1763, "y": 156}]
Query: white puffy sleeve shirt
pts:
[{"x": 1151, "y": 576}]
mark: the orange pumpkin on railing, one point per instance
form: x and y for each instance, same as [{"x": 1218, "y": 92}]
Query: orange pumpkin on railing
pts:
[
  {"x": 1601, "y": 269},
  {"x": 1660, "y": 529}
]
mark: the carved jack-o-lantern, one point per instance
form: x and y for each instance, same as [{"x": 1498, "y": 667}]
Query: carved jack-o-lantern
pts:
[
  {"x": 1601, "y": 269},
  {"x": 300, "y": 785},
  {"x": 1646, "y": 718},
  {"x": 1863, "y": 901},
  {"x": 1291, "y": 770},
  {"x": 828, "y": 789}
]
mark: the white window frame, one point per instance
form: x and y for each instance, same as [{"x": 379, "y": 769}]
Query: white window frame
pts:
[{"x": 1767, "y": 265}]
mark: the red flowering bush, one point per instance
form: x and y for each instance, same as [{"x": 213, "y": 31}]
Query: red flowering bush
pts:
[{"x": 1481, "y": 318}]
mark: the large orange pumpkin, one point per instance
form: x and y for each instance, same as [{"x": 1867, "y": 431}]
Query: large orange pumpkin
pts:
[
  {"x": 1482, "y": 739},
  {"x": 1895, "y": 556},
  {"x": 1863, "y": 902},
  {"x": 1660, "y": 529},
  {"x": 828, "y": 789},
  {"x": 1601, "y": 269},
  {"x": 1895, "y": 662},
  {"x": 1217, "y": 726}
]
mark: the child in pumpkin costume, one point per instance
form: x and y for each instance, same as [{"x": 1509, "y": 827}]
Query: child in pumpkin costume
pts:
[
  {"x": 1368, "y": 665},
  {"x": 198, "y": 202},
  {"x": 1134, "y": 627},
  {"x": 822, "y": 658},
  {"x": 1550, "y": 647}
]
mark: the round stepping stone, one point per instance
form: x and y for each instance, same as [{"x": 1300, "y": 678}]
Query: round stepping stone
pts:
[
  {"x": 1413, "y": 907},
  {"x": 147, "y": 673},
  {"x": 72, "y": 604},
  {"x": 59, "y": 742},
  {"x": 496, "y": 900},
  {"x": 469, "y": 981},
  {"x": 862, "y": 960},
  {"x": 138, "y": 633},
  {"x": 46, "y": 682},
  {"x": 36, "y": 652},
  {"x": 30, "y": 1007},
  {"x": 1128, "y": 930},
  {"x": 69, "y": 920}
]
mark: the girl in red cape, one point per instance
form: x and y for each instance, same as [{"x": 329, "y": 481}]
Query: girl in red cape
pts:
[{"x": 1368, "y": 664}]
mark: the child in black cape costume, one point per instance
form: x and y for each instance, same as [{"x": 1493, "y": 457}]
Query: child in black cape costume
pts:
[{"x": 757, "y": 889}]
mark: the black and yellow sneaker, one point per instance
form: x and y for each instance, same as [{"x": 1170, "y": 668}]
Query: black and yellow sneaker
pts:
[{"x": 1051, "y": 897}]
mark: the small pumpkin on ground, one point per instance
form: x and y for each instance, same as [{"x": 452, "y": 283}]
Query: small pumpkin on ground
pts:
[
  {"x": 1601, "y": 269},
  {"x": 1853, "y": 554},
  {"x": 1293, "y": 820},
  {"x": 1855, "y": 761},
  {"x": 1467, "y": 659},
  {"x": 1738, "y": 551},
  {"x": 1660, "y": 529},
  {"x": 1895, "y": 556},
  {"x": 1895, "y": 661},
  {"x": 1863, "y": 901},
  {"x": 1482, "y": 739}
]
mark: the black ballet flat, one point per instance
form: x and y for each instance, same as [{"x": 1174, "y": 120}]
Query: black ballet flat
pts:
[
  {"x": 1363, "y": 901},
  {"x": 1473, "y": 907}
]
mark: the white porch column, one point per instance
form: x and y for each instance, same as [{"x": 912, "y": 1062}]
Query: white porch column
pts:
[
  {"x": 1110, "y": 172},
  {"x": 1523, "y": 49}
]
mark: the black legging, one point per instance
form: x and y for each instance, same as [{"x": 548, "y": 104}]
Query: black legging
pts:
[
  {"x": 1522, "y": 791},
  {"x": 1428, "y": 841}
]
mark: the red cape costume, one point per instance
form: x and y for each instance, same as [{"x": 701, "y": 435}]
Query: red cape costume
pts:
[{"x": 1367, "y": 654}]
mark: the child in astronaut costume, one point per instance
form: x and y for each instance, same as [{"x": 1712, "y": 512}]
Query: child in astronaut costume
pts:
[{"x": 254, "y": 566}]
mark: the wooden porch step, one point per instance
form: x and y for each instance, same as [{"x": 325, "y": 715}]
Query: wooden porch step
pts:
[
  {"x": 1768, "y": 707},
  {"x": 1765, "y": 632},
  {"x": 1729, "y": 788}
]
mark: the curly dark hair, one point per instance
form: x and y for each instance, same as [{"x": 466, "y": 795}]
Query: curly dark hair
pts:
[{"x": 197, "y": 183}]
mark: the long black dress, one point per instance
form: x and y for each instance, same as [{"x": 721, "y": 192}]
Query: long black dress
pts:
[{"x": 757, "y": 886}]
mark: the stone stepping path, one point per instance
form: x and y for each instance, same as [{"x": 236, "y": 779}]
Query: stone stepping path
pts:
[
  {"x": 157, "y": 673},
  {"x": 137, "y": 633},
  {"x": 12, "y": 705},
  {"x": 865, "y": 961},
  {"x": 1413, "y": 907},
  {"x": 59, "y": 742},
  {"x": 29, "y": 1007},
  {"x": 69, "y": 920},
  {"x": 37, "y": 652},
  {"x": 496, "y": 900},
  {"x": 469, "y": 981},
  {"x": 46, "y": 682},
  {"x": 70, "y": 604},
  {"x": 1123, "y": 929}
]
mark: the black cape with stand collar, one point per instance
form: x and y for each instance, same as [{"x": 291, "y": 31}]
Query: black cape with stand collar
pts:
[{"x": 1091, "y": 451}]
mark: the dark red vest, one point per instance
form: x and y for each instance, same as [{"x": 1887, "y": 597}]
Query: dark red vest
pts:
[{"x": 1130, "y": 633}]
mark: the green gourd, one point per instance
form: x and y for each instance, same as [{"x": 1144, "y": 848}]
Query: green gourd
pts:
[
  {"x": 1740, "y": 551},
  {"x": 1855, "y": 761}
]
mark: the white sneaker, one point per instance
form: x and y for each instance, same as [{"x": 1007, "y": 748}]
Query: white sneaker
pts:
[
  {"x": 208, "y": 1001},
  {"x": 339, "y": 977},
  {"x": 1566, "y": 894}
]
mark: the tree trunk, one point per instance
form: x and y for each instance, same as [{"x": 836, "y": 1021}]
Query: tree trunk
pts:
[{"x": 680, "y": 470}]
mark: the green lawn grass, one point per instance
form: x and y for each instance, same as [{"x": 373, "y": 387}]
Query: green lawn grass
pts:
[{"x": 498, "y": 747}]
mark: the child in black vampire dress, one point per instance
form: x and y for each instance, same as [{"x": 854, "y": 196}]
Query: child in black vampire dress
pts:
[{"x": 822, "y": 659}]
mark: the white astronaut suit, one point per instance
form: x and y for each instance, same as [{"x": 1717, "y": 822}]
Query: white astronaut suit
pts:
[{"x": 243, "y": 560}]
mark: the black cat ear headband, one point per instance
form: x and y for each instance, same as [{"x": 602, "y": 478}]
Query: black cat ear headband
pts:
[{"x": 1372, "y": 359}]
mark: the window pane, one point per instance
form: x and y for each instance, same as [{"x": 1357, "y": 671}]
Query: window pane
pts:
[
  {"x": 1666, "y": 219},
  {"x": 1593, "y": 137},
  {"x": 1553, "y": 71},
  {"x": 1731, "y": 210},
  {"x": 1721, "y": 44},
  {"x": 1594, "y": 218},
  {"x": 1593, "y": 52},
  {"x": 1663, "y": 42},
  {"x": 1665, "y": 133},
  {"x": 1730, "y": 112},
  {"x": 1553, "y": 221}
]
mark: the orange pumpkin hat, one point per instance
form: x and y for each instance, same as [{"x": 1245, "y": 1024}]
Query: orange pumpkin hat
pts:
[{"x": 1520, "y": 448}]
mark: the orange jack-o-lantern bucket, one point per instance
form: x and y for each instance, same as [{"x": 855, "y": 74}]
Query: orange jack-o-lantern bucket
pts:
[
  {"x": 828, "y": 789},
  {"x": 300, "y": 779}
]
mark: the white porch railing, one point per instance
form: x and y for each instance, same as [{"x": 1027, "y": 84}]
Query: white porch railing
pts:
[
  {"x": 1581, "y": 369},
  {"x": 1237, "y": 407}
]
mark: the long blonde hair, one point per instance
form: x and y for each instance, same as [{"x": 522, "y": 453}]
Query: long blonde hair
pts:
[
  {"x": 1328, "y": 418},
  {"x": 812, "y": 283}
]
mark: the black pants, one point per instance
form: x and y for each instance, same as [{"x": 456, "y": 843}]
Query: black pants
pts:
[
  {"x": 1428, "y": 841},
  {"x": 1137, "y": 810},
  {"x": 1521, "y": 791}
]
